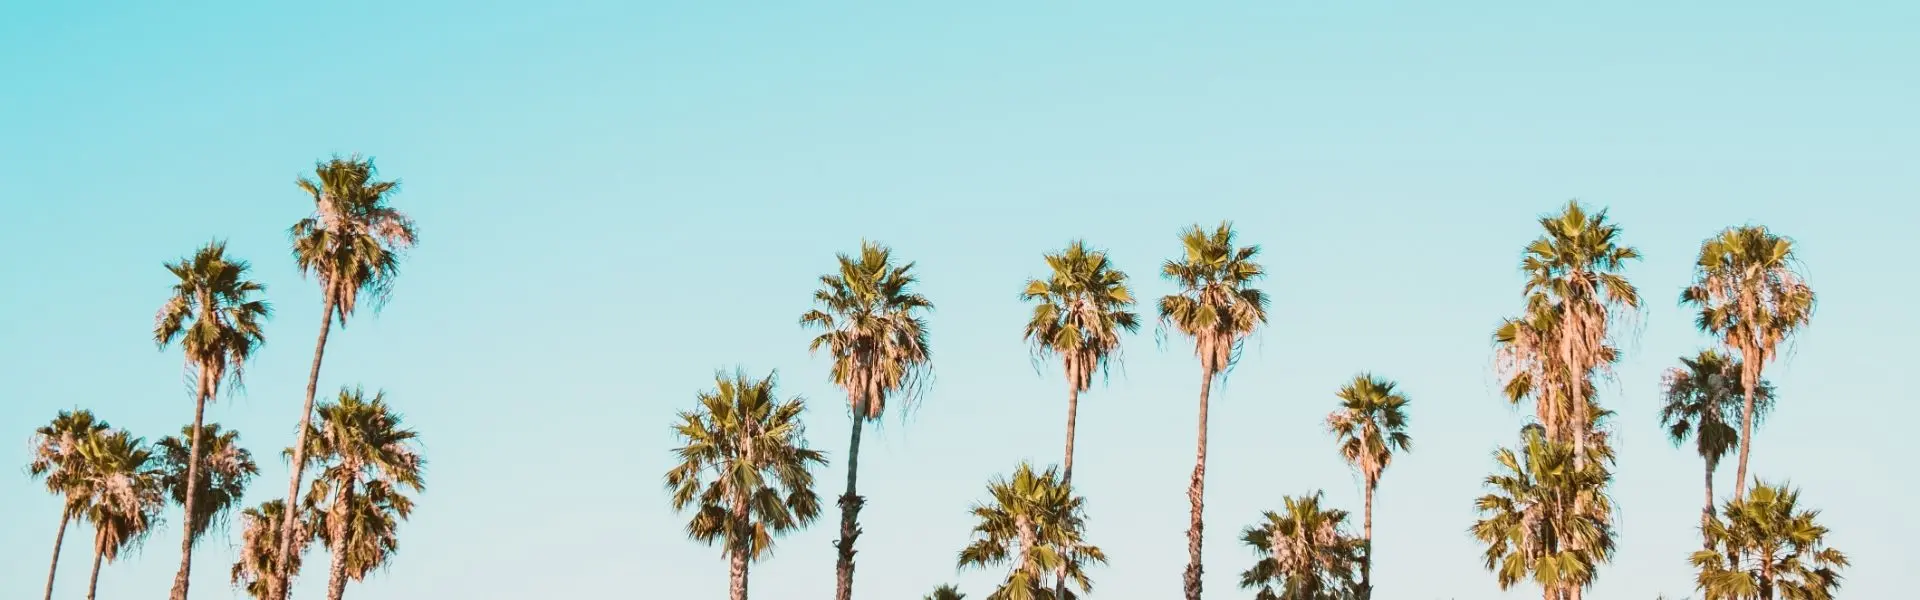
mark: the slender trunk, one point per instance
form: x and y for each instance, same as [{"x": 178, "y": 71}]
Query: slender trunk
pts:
[
  {"x": 337, "y": 522},
  {"x": 1749, "y": 382},
  {"x": 1706, "y": 514},
  {"x": 849, "y": 514},
  {"x": 737, "y": 552},
  {"x": 1066, "y": 476},
  {"x": 59, "y": 538},
  {"x": 1195, "y": 492},
  {"x": 300, "y": 449},
  {"x": 99, "y": 550},
  {"x": 1366, "y": 532},
  {"x": 207, "y": 389}
]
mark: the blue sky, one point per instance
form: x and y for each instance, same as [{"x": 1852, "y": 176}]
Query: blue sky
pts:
[{"x": 618, "y": 199}]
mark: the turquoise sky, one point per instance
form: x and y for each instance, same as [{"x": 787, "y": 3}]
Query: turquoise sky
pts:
[{"x": 617, "y": 199}]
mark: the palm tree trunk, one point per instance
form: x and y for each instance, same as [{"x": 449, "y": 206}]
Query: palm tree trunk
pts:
[
  {"x": 1366, "y": 533},
  {"x": 300, "y": 448},
  {"x": 849, "y": 514},
  {"x": 1706, "y": 514},
  {"x": 737, "y": 574},
  {"x": 207, "y": 389},
  {"x": 59, "y": 538},
  {"x": 1066, "y": 476},
  {"x": 1749, "y": 382},
  {"x": 337, "y": 572},
  {"x": 1196, "y": 488},
  {"x": 99, "y": 550}
]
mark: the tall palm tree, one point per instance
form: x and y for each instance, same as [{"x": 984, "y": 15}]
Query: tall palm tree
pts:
[
  {"x": 123, "y": 495},
  {"x": 1768, "y": 547},
  {"x": 1371, "y": 426},
  {"x": 351, "y": 244},
  {"x": 1217, "y": 307},
  {"x": 1575, "y": 267},
  {"x": 1751, "y": 294},
  {"x": 57, "y": 459},
  {"x": 258, "y": 569},
  {"x": 945, "y": 592},
  {"x": 1307, "y": 551},
  {"x": 1547, "y": 517},
  {"x": 365, "y": 457},
  {"x": 873, "y": 323},
  {"x": 1703, "y": 400},
  {"x": 745, "y": 471},
  {"x": 1034, "y": 524},
  {"x": 1079, "y": 313},
  {"x": 224, "y": 470},
  {"x": 216, "y": 316}
]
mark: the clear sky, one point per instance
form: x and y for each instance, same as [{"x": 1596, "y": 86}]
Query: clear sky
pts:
[{"x": 617, "y": 198}]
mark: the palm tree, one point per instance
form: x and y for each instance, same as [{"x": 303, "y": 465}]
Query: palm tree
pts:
[
  {"x": 122, "y": 492},
  {"x": 57, "y": 459},
  {"x": 873, "y": 324},
  {"x": 1306, "y": 550},
  {"x": 744, "y": 471},
  {"x": 1751, "y": 294},
  {"x": 1079, "y": 312},
  {"x": 365, "y": 457},
  {"x": 1035, "y": 524},
  {"x": 1703, "y": 399},
  {"x": 1371, "y": 426},
  {"x": 945, "y": 592},
  {"x": 224, "y": 470},
  {"x": 258, "y": 569},
  {"x": 351, "y": 244},
  {"x": 1573, "y": 273},
  {"x": 1768, "y": 548},
  {"x": 215, "y": 315},
  {"x": 1218, "y": 307},
  {"x": 1547, "y": 518}
]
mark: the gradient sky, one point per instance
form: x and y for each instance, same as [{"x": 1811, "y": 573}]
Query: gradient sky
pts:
[{"x": 616, "y": 200}]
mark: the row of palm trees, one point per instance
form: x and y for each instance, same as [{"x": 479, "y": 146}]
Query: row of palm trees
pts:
[
  {"x": 351, "y": 244},
  {"x": 1547, "y": 518}
]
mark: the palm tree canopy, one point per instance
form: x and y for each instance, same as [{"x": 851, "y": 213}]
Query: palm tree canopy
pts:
[
  {"x": 873, "y": 324},
  {"x": 1217, "y": 304},
  {"x": 1306, "y": 551},
  {"x": 744, "y": 443},
  {"x": 1767, "y": 547},
  {"x": 214, "y": 312},
  {"x": 256, "y": 571},
  {"x": 353, "y": 241},
  {"x": 122, "y": 490},
  {"x": 1079, "y": 311},
  {"x": 1749, "y": 290},
  {"x": 360, "y": 443},
  {"x": 946, "y": 592},
  {"x": 225, "y": 469},
  {"x": 56, "y": 454},
  {"x": 1578, "y": 259},
  {"x": 1548, "y": 518},
  {"x": 1703, "y": 401},
  {"x": 371, "y": 521},
  {"x": 1034, "y": 522},
  {"x": 1371, "y": 424}
]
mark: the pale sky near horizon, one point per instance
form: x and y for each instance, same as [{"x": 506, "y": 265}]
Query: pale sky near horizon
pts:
[{"x": 617, "y": 199}]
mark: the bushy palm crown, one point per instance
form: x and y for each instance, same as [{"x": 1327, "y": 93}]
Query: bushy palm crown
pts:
[
  {"x": 363, "y": 450},
  {"x": 1766, "y": 548},
  {"x": 1547, "y": 517},
  {"x": 1305, "y": 551},
  {"x": 225, "y": 469},
  {"x": 1703, "y": 402},
  {"x": 1524, "y": 359},
  {"x": 945, "y": 592},
  {"x": 1034, "y": 521},
  {"x": 744, "y": 445},
  {"x": 353, "y": 240},
  {"x": 1573, "y": 273},
  {"x": 1371, "y": 425},
  {"x": 57, "y": 458},
  {"x": 872, "y": 323},
  {"x": 1749, "y": 291},
  {"x": 1079, "y": 312},
  {"x": 257, "y": 569},
  {"x": 214, "y": 313},
  {"x": 1217, "y": 304},
  {"x": 371, "y": 522},
  {"x": 122, "y": 490}
]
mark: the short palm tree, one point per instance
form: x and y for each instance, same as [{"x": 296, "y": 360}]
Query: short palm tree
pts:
[
  {"x": 873, "y": 324},
  {"x": 1766, "y": 548},
  {"x": 225, "y": 469},
  {"x": 257, "y": 570},
  {"x": 1751, "y": 294},
  {"x": 1218, "y": 307},
  {"x": 351, "y": 244},
  {"x": 216, "y": 315},
  {"x": 1575, "y": 268},
  {"x": 1079, "y": 312},
  {"x": 1034, "y": 524},
  {"x": 1371, "y": 426},
  {"x": 57, "y": 459},
  {"x": 945, "y": 592},
  {"x": 1703, "y": 400},
  {"x": 365, "y": 457},
  {"x": 1548, "y": 518},
  {"x": 1306, "y": 551},
  {"x": 123, "y": 495},
  {"x": 745, "y": 471}
]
